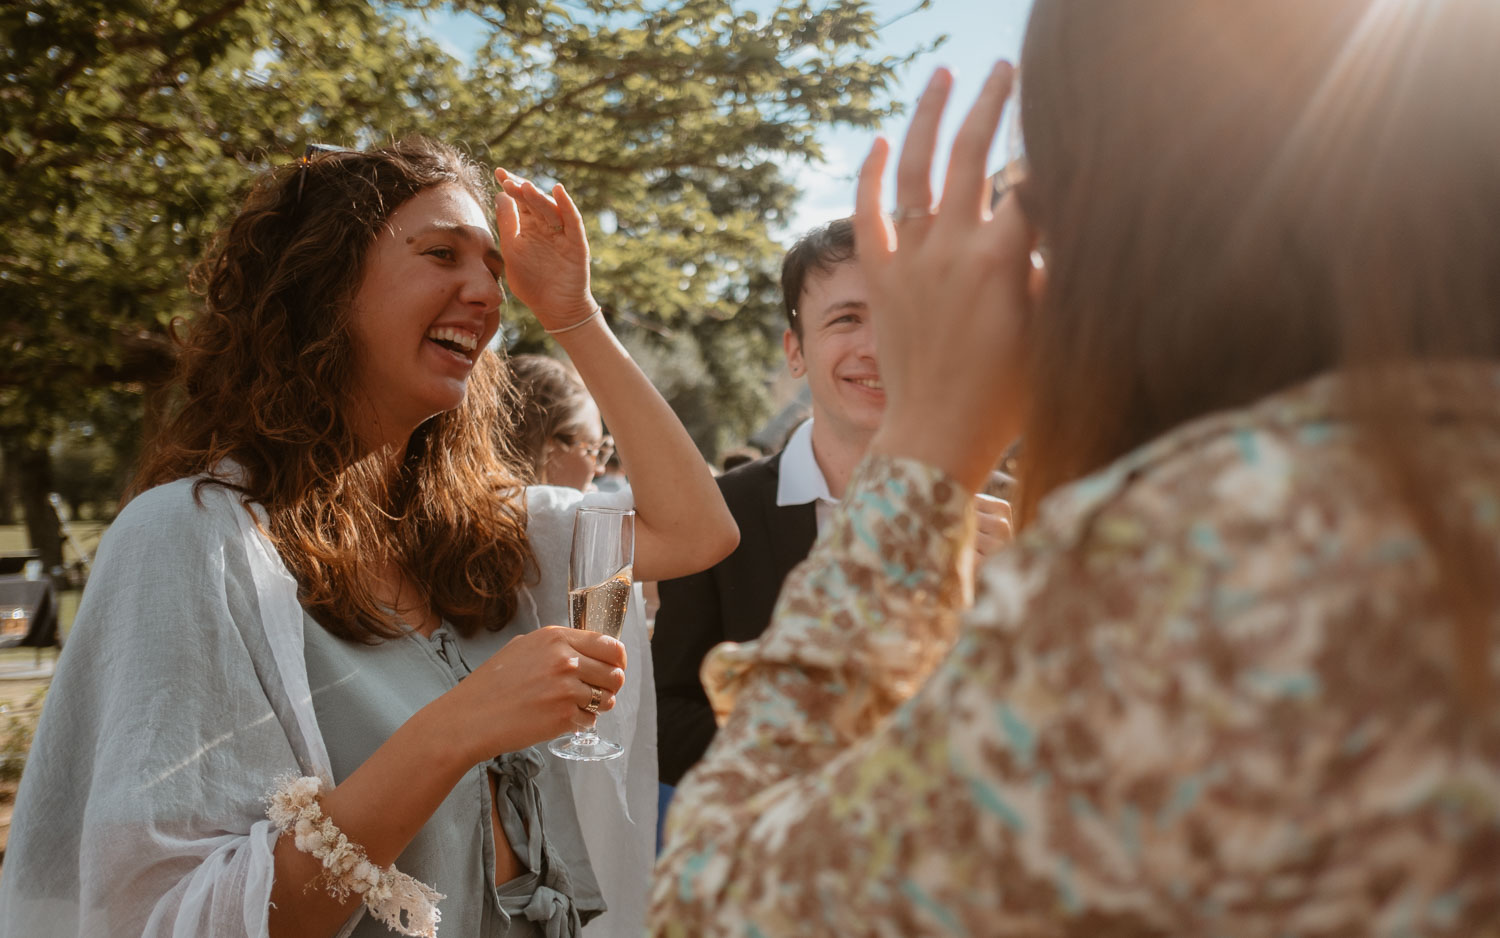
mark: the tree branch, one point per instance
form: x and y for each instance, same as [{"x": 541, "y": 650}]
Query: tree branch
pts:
[
  {"x": 206, "y": 21},
  {"x": 145, "y": 358},
  {"x": 627, "y": 67},
  {"x": 901, "y": 16}
]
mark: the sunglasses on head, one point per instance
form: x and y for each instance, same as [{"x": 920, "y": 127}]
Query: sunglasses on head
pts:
[{"x": 313, "y": 151}]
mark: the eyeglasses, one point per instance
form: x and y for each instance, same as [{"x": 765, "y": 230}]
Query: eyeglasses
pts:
[
  {"x": 599, "y": 452},
  {"x": 313, "y": 150}
]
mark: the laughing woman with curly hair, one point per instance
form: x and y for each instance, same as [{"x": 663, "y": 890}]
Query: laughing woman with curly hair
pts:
[{"x": 332, "y": 586}]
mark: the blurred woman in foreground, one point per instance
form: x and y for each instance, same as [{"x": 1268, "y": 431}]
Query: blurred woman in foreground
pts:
[{"x": 1238, "y": 674}]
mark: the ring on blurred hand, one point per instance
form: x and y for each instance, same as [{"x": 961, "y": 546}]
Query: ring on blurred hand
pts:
[
  {"x": 558, "y": 229},
  {"x": 907, "y": 214},
  {"x": 594, "y": 699}
]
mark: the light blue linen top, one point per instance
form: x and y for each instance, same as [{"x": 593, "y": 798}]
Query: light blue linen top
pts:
[{"x": 362, "y": 694}]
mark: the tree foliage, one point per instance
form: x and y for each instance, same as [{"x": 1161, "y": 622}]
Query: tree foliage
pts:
[{"x": 129, "y": 130}]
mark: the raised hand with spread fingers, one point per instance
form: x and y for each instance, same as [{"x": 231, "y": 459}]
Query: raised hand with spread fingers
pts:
[
  {"x": 952, "y": 287},
  {"x": 546, "y": 251}
]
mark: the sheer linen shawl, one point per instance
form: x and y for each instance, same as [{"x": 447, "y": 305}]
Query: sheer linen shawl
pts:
[
  {"x": 615, "y": 800},
  {"x": 181, "y": 697}
]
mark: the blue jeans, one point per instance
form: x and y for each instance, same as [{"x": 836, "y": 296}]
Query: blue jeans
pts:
[{"x": 664, "y": 793}]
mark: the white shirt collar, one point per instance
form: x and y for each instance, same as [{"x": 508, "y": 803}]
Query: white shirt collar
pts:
[{"x": 800, "y": 480}]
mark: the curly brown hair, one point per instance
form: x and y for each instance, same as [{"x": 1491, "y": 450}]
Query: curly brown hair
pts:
[{"x": 263, "y": 383}]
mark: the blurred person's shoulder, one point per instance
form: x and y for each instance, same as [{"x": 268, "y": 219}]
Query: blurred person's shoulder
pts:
[
  {"x": 610, "y": 482},
  {"x": 1276, "y": 495},
  {"x": 750, "y": 478},
  {"x": 562, "y": 500}
]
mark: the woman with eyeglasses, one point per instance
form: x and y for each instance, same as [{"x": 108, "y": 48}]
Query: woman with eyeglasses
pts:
[
  {"x": 1238, "y": 674},
  {"x": 305, "y": 689},
  {"x": 559, "y": 435},
  {"x": 558, "y": 430}
]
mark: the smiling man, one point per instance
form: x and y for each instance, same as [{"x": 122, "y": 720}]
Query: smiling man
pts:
[{"x": 781, "y": 501}]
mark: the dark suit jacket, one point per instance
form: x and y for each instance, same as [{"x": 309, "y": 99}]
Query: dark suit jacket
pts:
[{"x": 729, "y": 602}]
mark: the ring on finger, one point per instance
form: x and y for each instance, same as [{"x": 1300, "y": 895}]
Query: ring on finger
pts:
[
  {"x": 596, "y": 695},
  {"x": 557, "y": 229},
  {"x": 907, "y": 214}
]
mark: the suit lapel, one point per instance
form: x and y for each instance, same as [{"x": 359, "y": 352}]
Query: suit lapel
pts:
[{"x": 772, "y": 542}]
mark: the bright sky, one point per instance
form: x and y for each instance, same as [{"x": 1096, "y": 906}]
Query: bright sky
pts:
[{"x": 979, "y": 32}]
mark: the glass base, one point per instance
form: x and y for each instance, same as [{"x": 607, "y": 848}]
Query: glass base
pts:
[{"x": 589, "y": 748}]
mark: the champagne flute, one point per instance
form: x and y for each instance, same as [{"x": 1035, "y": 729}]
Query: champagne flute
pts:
[{"x": 599, "y": 574}]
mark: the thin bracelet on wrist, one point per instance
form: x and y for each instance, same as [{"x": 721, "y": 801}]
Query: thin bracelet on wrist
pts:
[{"x": 598, "y": 312}]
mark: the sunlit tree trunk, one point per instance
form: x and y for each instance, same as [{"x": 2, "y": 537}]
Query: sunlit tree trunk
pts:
[
  {"x": 8, "y": 486},
  {"x": 34, "y": 469}
]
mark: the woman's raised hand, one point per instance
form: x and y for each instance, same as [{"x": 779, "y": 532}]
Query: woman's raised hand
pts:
[
  {"x": 545, "y": 249},
  {"x": 949, "y": 288},
  {"x": 534, "y": 689}
]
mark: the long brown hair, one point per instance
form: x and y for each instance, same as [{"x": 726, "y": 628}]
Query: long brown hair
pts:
[
  {"x": 263, "y": 384},
  {"x": 1238, "y": 196}
]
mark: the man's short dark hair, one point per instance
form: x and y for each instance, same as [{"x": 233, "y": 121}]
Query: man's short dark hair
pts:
[{"x": 820, "y": 249}]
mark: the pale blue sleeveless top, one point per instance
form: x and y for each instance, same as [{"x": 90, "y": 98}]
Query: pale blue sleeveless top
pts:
[{"x": 362, "y": 694}]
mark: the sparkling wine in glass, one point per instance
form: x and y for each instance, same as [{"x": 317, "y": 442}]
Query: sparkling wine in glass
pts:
[{"x": 599, "y": 577}]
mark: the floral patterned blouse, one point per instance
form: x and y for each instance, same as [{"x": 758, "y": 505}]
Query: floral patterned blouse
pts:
[{"x": 1208, "y": 692}]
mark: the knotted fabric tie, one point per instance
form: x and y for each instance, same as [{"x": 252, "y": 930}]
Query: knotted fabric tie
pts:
[
  {"x": 554, "y": 912},
  {"x": 515, "y": 784}
]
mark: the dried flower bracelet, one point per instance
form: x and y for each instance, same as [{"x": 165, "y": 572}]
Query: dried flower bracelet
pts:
[{"x": 401, "y": 902}]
